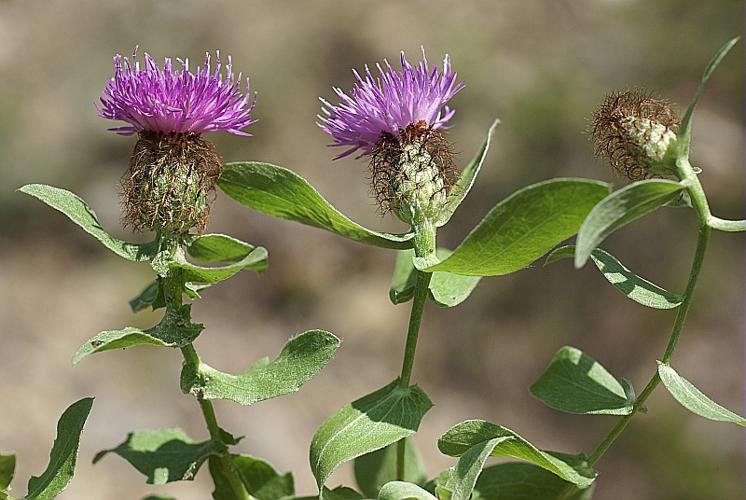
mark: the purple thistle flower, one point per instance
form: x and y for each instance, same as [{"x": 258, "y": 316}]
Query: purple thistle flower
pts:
[
  {"x": 389, "y": 104},
  {"x": 169, "y": 100}
]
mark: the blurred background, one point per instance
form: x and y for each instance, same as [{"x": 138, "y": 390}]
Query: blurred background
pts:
[{"x": 542, "y": 67}]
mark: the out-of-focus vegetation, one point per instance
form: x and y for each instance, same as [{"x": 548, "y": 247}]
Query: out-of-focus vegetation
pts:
[{"x": 542, "y": 67}]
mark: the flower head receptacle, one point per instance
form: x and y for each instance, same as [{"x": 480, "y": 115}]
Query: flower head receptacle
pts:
[
  {"x": 173, "y": 169},
  {"x": 637, "y": 133},
  {"x": 398, "y": 119}
]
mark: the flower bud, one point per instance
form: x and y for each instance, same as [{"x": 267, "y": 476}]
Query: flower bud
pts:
[
  {"x": 635, "y": 132},
  {"x": 412, "y": 173},
  {"x": 170, "y": 183}
]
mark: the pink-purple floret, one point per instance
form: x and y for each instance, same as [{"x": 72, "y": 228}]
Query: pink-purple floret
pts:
[
  {"x": 169, "y": 100},
  {"x": 389, "y": 103}
]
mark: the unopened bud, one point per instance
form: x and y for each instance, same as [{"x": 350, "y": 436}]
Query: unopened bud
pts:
[
  {"x": 635, "y": 132},
  {"x": 170, "y": 184}
]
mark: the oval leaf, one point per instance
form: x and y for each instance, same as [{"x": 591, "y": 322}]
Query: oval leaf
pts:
[
  {"x": 7, "y": 470},
  {"x": 280, "y": 192},
  {"x": 163, "y": 455},
  {"x": 516, "y": 480},
  {"x": 259, "y": 477},
  {"x": 218, "y": 248},
  {"x": 633, "y": 286},
  {"x": 504, "y": 442},
  {"x": 523, "y": 227},
  {"x": 374, "y": 470},
  {"x": 64, "y": 453},
  {"x": 255, "y": 260},
  {"x": 365, "y": 425},
  {"x": 400, "y": 490},
  {"x": 81, "y": 214},
  {"x": 576, "y": 383},
  {"x": 466, "y": 180},
  {"x": 446, "y": 289},
  {"x": 301, "y": 358},
  {"x": 619, "y": 209},
  {"x": 693, "y": 399}
]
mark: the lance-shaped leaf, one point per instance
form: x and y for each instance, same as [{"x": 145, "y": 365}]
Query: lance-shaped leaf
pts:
[
  {"x": 633, "y": 286},
  {"x": 365, "y": 425},
  {"x": 280, "y": 192},
  {"x": 259, "y": 477},
  {"x": 7, "y": 470},
  {"x": 685, "y": 130},
  {"x": 401, "y": 490},
  {"x": 619, "y": 209},
  {"x": 466, "y": 180},
  {"x": 59, "y": 472},
  {"x": 458, "y": 440},
  {"x": 522, "y": 481},
  {"x": 693, "y": 399},
  {"x": 301, "y": 358},
  {"x": 522, "y": 228},
  {"x": 176, "y": 331},
  {"x": 218, "y": 248},
  {"x": 163, "y": 455},
  {"x": 81, "y": 214},
  {"x": 576, "y": 383},
  {"x": 373, "y": 470},
  {"x": 446, "y": 289}
]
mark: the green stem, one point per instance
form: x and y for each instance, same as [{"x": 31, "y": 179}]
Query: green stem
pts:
[
  {"x": 173, "y": 295},
  {"x": 699, "y": 201},
  {"x": 424, "y": 247}
]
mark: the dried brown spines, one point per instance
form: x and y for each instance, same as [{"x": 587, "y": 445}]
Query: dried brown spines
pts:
[
  {"x": 414, "y": 168},
  {"x": 171, "y": 182},
  {"x": 634, "y": 130}
]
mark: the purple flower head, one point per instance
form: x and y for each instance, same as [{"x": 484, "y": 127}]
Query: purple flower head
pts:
[
  {"x": 390, "y": 103},
  {"x": 171, "y": 100}
]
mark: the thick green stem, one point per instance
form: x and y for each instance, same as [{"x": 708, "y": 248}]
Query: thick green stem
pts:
[
  {"x": 699, "y": 201},
  {"x": 173, "y": 295}
]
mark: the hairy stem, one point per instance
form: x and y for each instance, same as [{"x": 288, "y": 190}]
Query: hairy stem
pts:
[
  {"x": 424, "y": 247},
  {"x": 173, "y": 295},
  {"x": 699, "y": 201}
]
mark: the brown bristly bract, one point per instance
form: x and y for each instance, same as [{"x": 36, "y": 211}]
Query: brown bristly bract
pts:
[
  {"x": 170, "y": 183},
  {"x": 612, "y": 141},
  {"x": 387, "y": 155}
]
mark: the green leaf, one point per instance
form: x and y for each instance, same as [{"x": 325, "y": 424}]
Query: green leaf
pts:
[
  {"x": 368, "y": 424},
  {"x": 280, "y": 192},
  {"x": 218, "y": 248},
  {"x": 523, "y": 227},
  {"x": 163, "y": 455},
  {"x": 400, "y": 490},
  {"x": 81, "y": 214},
  {"x": 685, "y": 130},
  {"x": 446, "y": 289},
  {"x": 619, "y": 209},
  {"x": 693, "y": 399},
  {"x": 169, "y": 332},
  {"x": 257, "y": 475},
  {"x": 522, "y": 481},
  {"x": 466, "y": 180},
  {"x": 7, "y": 469},
  {"x": 59, "y": 472},
  {"x": 504, "y": 442},
  {"x": 157, "y": 496},
  {"x": 633, "y": 286},
  {"x": 373, "y": 470},
  {"x": 151, "y": 296},
  {"x": 255, "y": 260},
  {"x": 576, "y": 383},
  {"x": 301, "y": 358}
]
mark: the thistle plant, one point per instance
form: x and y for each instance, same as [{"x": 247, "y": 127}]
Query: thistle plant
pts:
[
  {"x": 397, "y": 121},
  {"x": 168, "y": 189}
]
